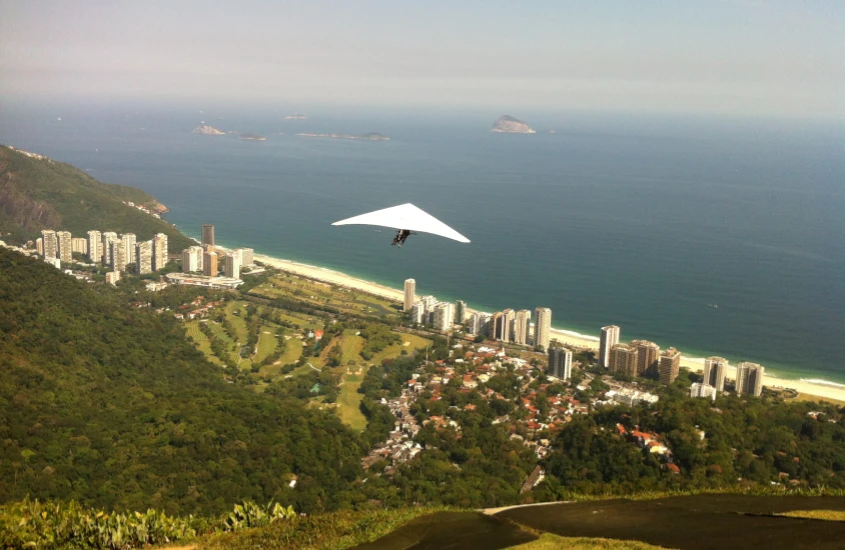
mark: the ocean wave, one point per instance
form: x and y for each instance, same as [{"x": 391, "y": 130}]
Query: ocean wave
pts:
[{"x": 822, "y": 382}]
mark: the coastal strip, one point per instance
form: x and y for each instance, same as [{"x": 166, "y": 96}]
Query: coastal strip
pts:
[{"x": 817, "y": 388}]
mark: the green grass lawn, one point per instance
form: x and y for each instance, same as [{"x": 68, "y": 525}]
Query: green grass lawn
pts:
[
  {"x": 266, "y": 342},
  {"x": 217, "y": 330},
  {"x": 194, "y": 332},
  {"x": 390, "y": 352},
  {"x": 237, "y": 320},
  {"x": 349, "y": 402}
]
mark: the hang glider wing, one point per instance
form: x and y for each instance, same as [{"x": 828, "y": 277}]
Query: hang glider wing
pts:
[{"x": 405, "y": 216}]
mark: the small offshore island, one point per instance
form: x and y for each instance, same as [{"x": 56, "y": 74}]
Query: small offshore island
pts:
[
  {"x": 207, "y": 130},
  {"x": 372, "y": 136},
  {"x": 296, "y": 116},
  {"x": 511, "y": 125},
  {"x": 252, "y": 137}
]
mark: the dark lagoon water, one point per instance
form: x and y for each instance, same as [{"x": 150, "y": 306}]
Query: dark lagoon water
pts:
[{"x": 635, "y": 220}]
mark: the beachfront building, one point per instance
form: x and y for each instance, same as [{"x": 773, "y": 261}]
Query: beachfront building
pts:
[
  {"x": 506, "y": 332},
  {"x": 542, "y": 327},
  {"x": 209, "y": 264},
  {"x": 623, "y": 359},
  {"x": 495, "y": 326},
  {"x": 208, "y": 235},
  {"x": 418, "y": 312},
  {"x": 144, "y": 257},
  {"x": 560, "y": 363},
  {"x": 232, "y": 269},
  {"x": 460, "y": 311},
  {"x": 192, "y": 259},
  {"x": 522, "y": 327},
  {"x": 95, "y": 247},
  {"x": 479, "y": 323},
  {"x": 117, "y": 255},
  {"x": 410, "y": 294},
  {"x": 65, "y": 249},
  {"x": 702, "y": 390},
  {"x": 715, "y": 369},
  {"x": 50, "y": 244},
  {"x": 79, "y": 245},
  {"x": 648, "y": 354},
  {"x": 749, "y": 379},
  {"x": 609, "y": 338},
  {"x": 108, "y": 238},
  {"x": 159, "y": 251},
  {"x": 444, "y": 315},
  {"x": 669, "y": 366}
]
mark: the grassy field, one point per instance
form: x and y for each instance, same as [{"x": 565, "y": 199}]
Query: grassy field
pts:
[
  {"x": 194, "y": 332},
  {"x": 409, "y": 343},
  {"x": 548, "y": 541},
  {"x": 808, "y": 397},
  {"x": 267, "y": 342},
  {"x": 829, "y": 515},
  {"x": 235, "y": 313}
]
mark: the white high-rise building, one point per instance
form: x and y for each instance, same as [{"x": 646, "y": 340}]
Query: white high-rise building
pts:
[
  {"x": 65, "y": 243},
  {"x": 444, "y": 315},
  {"x": 95, "y": 246},
  {"x": 79, "y": 246},
  {"x": 129, "y": 241},
  {"x": 117, "y": 254},
  {"x": 144, "y": 257},
  {"x": 418, "y": 312},
  {"x": 232, "y": 269},
  {"x": 715, "y": 369},
  {"x": 108, "y": 238},
  {"x": 159, "y": 251},
  {"x": 505, "y": 333},
  {"x": 749, "y": 379},
  {"x": 50, "y": 244},
  {"x": 609, "y": 338},
  {"x": 192, "y": 259},
  {"x": 522, "y": 327},
  {"x": 480, "y": 323},
  {"x": 560, "y": 363},
  {"x": 247, "y": 257},
  {"x": 542, "y": 327},
  {"x": 460, "y": 312},
  {"x": 410, "y": 294},
  {"x": 702, "y": 390}
]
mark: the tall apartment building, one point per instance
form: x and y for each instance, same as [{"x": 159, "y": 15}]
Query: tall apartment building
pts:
[
  {"x": 648, "y": 356},
  {"x": 522, "y": 327},
  {"x": 79, "y": 246},
  {"x": 444, "y": 315},
  {"x": 560, "y": 363},
  {"x": 65, "y": 242},
  {"x": 495, "y": 326},
  {"x": 418, "y": 312},
  {"x": 112, "y": 277},
  {"x": 702, "y": 390},
  {"x": 209, "y": 264},
  {"x": 506, "y": 332},
  {"x": 144, "y": 257},
  {"x": 50, "y": 243},
  {"x": 108, "y": 238},
  {"x": 39, "y": 246},
  {"x": 623, "y": 359},
  {"x": 192, "y": 259},
  {"x": 232, "y": 269},
  {"x": 669, "y": 366},
  {"x": 460, "y": 312},
  {"x": 208, "y": 234},
  {"x": 609, "y": 338},
  {"x": 95, "y": 247},
  {"x": 479, "y": 323},
  {"x": 410, "y": 294},
  {"x": 129, "y": 242},
  {"x": 118, "y": 255},
  {"x": 247, "y": 257},
  {"x": 542, "y": 327},
  {"x": 159, "y": 251},
  {"x": 715, "y": 369},
  {"x": 749, "y": 379}
]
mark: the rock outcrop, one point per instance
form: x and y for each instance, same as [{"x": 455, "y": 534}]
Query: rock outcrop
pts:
[{"x": 508, "y": 124}]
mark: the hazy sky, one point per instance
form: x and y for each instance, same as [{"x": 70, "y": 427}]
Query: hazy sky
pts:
[{"x": 749, "y": 57}]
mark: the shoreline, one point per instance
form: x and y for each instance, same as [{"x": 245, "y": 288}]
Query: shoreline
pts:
[{"x": 814, "y": 387}]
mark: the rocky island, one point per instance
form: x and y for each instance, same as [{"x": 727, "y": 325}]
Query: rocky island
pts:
[
  {"x": 208, "y": 130},
  {"x": 252, "y": 137},
  {"x": 296, "y": 116},
  {"x": 372, "y": 136},
  {"x": 511, "y": 125}
]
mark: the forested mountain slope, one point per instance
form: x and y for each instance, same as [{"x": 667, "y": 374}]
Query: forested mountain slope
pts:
[
  {"x": 38, "y": 194},
  {"x": 110, "y": 405}
]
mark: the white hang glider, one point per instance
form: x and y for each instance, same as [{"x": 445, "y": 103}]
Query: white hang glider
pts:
[{"x": 407, "y": 219}]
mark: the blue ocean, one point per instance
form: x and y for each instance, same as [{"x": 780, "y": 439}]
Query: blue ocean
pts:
[{"x": 714, "y": 235}]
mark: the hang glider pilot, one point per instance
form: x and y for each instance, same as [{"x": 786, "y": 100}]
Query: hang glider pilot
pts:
[{"x": 400, "y": 237}]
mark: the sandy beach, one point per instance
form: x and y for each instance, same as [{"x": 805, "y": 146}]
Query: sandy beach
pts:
[{"x": 563, "y": 336}]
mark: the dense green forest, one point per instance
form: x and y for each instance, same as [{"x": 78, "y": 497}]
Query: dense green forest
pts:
[
  {"x": 43, "y": 194},
  {"x": 111, "y": 406}
]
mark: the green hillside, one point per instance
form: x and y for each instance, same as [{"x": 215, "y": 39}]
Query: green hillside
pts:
[
  {"x": 111, "y": 406},
  {"x": 38, "y": 194}
]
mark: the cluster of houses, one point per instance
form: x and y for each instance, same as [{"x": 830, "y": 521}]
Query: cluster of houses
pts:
[
  {"x": 400, "y": 446},
  {"x": 199, "y": 308},
  {"x": 142, "y": 208},
  {"x": 654, "y": 445}
]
